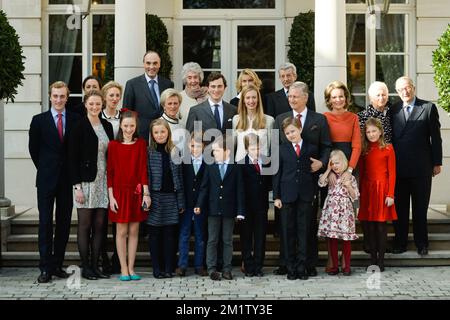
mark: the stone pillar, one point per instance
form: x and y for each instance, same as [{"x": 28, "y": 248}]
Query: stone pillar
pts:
[
  {"x": 330, "y": 47},
  {"x": 129, "y": 45}
]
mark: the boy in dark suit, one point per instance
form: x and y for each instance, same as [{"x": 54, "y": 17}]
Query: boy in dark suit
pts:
[
  {"x": 222, "y": 191},
  {"x": 256, "y": 186},
  {"x": 294, "y": 188},
  {"x": 48, "y": 138},
  {"x": 193, "y": 173}
]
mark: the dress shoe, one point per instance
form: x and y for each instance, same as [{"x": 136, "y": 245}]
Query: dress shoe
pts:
[
  {"x": 168, "y": 275},
  {"x": 60, "y": 273},
  {"x": 397, "y": 250},
  {"x": 347, "y": 273},
  {"x": 135, "y": 277},
  {"x": 227, "y": 275},
  {"x": 333, "y": 272},
  {"x": 303, "y": 275},
  {"x": 259, "y": 274},
  {"x": 181, "y": 272},
  {"x": 249, "y": 274},
  {"x": 159, "y": 275},
  {"x": 311, "y": 272},
  {"x": 88, "y": 274},
  {"x": 291, "y": 276},
  {"x": 201, "y": 272},
  {"x": 422, "y": 251},
  {"x": 281, "y": 271},
  {"x": 215, "y": 276},
  {"x": 99, "y": 274},
  {"x": 44, "y": 277}
]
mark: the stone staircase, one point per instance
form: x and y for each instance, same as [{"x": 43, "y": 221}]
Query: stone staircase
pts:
[{"x": 20, "y": 244}]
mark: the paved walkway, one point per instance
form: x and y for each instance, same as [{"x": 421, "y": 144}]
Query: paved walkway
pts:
[{"x": 394, "y": 283}]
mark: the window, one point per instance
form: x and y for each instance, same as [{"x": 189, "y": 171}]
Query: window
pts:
[
  {"x": 378, "y": 50},
  {"x": 235, "y": 4}
]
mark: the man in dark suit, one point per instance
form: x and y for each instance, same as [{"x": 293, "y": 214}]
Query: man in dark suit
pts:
[
  {"x": 142, "y": 94},
  {"x": 213, "y": 113},
  {"x": 418, "y": 150},
  {"x": 48, "y": 138},
  {"x": 315, "y": 132},
  {"x": 277, "y": 102}
]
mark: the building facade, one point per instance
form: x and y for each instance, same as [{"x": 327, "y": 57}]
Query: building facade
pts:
[{"x": 62, "y": 42}]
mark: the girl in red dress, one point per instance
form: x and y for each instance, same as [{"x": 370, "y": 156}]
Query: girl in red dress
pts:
[
  {"x": 129, "y": 198},
  {"x": 377, "y": 177}
]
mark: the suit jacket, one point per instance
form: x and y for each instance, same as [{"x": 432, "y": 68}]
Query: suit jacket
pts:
[
  {"x": 256, "y": 187},
  {"x": 222, "y": 198},
  {"x": 277, "y": 103},
  {"x": 83, "y": 150},
  {"x": 155, "y": 176},
  {"x": 315, "y": 131},
  {"x": 202, "y": 112},
  {"x": 294, "y": 179},
  {"x": 192, "y": 183},
  {"x": 137, "y": 97},
  {"x": 48, "y": 153},
  {"x": 417, "y": 142}
]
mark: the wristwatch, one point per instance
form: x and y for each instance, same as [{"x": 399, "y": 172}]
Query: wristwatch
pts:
[{"x": 350, "y": 170}]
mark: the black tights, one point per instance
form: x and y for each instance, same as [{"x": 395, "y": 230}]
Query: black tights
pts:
[
  {"x": 90, "y": 224},
  {"x": 377, "y": 239}
]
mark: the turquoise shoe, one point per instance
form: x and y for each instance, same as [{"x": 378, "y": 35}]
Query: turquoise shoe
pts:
[
  {"x": 124, "y": 278},
  {"x": 135, "y": 277}
]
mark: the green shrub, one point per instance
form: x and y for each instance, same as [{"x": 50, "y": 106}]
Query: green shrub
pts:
[
  {"x": 441, "y": 66},
  {"x": 11, "y": 60},
  {"x": 301, "y": 47},
  {"x": 158, "y": 40}
]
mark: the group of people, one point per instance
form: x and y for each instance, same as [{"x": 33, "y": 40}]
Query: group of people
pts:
[{"x": 181, "y": 160}]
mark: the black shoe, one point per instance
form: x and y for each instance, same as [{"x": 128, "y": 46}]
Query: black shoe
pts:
[
  {"x": 215, "y": 276},
  {"x": 181, "y": 272},
  {"x": 44, "y": 277},
  {"x": 88, "y": 274},
  {"x": 259, "y": 274},
  {"x": 302, "y": 275},
  {"x": 227, "y": 275},
  {"x": 422, "y": 251},
  {"x": 99, "y": 274},
  {"x": 168, "y": 275},
  {"x": 398, "y": 250},
  {"x": 159, "y": 275},
  {"x": 291, "y": 276},
  {"x": 281, "y": 271},
  {"x": 60, "y": 273},
  {"x": 347, "y": 273},
  {"x": 311, "y": 272},
  {"x": 333, "y": 273}
]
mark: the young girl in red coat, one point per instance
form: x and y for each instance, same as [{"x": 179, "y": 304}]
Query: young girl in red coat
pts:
[
  {"x": 377, "y": 176},
  {"x": 129, "y": 198}
]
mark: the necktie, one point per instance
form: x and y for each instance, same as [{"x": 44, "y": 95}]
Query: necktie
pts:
[
  {"x": 217, "y": 116},
  {"x": 60, "y": 127},
  {"x": 287, "y": 93},
  {"x": 297, "y": 149},
  {"x": 408, "y": 112},
  {"x": 196, "y": 167},
  {"x": 153, "y": 93},
  {"x": 256, "y": 164},
  {"x": 299, "y": 119},
  {"x": 222, "y": 170}
]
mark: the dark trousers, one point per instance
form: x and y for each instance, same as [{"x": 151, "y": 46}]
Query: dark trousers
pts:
[
  {"x": 51, "y": 250},
  {"x": 187, "y": 220},
  {"x": 253, "y": 238},
  {"x": 312, "y": 252},
  {"x": 162, "y": 241},
  {"x": 295, "y": 221},
  {"x": 417, "y": 190},
  {"x": 216, "y": 224}
]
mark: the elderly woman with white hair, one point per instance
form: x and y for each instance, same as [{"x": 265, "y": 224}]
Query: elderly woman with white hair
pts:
[
  {"x": 378, "y": 108},
  {"x": 193, "y": 93}
]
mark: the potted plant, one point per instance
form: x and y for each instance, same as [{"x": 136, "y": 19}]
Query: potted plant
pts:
[{"x": 441, "y": 66}]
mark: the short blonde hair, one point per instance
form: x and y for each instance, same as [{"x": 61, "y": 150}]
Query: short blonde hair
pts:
[
  {"x": 58, "y": 85},
  {"x": 336, "y": 153},
  {"x": 168, "y": 93},
  {"x": 252, "y": 74},
  {"x": 109, "y": 85},
  {"x": 336, "y": 85}
]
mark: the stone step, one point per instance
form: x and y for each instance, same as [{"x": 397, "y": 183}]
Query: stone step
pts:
[
  {"x": 31, "y": 226},
  {"x": 359, "y": 258},
  {"x": 29, "y": 242}
]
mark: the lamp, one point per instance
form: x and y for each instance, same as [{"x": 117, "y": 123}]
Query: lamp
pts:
[{"x": 373, "y": 5}]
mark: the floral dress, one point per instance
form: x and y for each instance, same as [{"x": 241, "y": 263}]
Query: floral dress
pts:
[{"x": 338, "y": 217}]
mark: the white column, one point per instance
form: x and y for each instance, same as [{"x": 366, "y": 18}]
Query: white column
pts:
[
  {"x": 129, "y": 39},
  {"x": 330, "y": 47}
]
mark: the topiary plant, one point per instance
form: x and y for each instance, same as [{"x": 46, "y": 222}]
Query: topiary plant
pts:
[
  {"x": 158, "y": 40},
  {"x": 301, "y": 47},
  {"x": 11, "y": 60},
  {"x": 441, "y": 66},
  {"x": 109, "y": 65}
]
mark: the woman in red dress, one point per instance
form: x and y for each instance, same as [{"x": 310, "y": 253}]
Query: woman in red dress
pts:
[
  {"x": 129, "y": 198},
  {"x": 377, "y": 184}
]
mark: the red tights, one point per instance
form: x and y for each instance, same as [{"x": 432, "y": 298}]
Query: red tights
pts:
[{"x": 333, "y": 251}]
